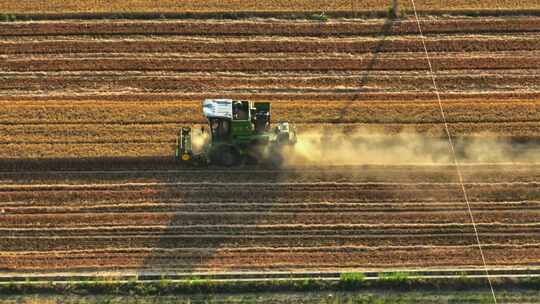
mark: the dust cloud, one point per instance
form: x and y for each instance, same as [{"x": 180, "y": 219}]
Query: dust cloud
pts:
[
  {"x": 199, "y": 137},
  {"x": 365, "y": 147}
]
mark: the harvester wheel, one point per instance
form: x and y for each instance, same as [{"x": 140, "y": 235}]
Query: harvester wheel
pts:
[
  {"x": 227, "y": 156},
  {"x": 275, "y": 158}
]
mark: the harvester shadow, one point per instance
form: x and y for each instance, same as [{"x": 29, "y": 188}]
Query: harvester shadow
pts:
[
  {"x": 78, "y": 164},
  {"x": 153, "y": 216},
  {"x": 210, "y": 216},
  {"x": 190, "y": 220},
  {"x": 386, "y": 31}
]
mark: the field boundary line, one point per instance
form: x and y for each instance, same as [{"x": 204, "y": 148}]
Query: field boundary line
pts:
[
  {"x": 291, "y": 14},
  {"x": 102, "y": 186},
  {"x": 156, "y": 276},
  {"x": 456, "y": 162}
]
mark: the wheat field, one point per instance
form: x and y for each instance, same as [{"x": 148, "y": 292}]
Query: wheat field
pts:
[{"x": 177, "y": 6}]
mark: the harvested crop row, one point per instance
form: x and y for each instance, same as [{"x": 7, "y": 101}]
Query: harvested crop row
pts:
[
  {"x": 59, "y": 152},
  {"x": 83, "y": 134},
  {"x": 314, "y": 112},
  {"x": 75, "y": 133},
  {"x": 312, "y": 207},
  {"x": 183, "y": 194},
  {"x": 265, "y": 218},
  {"x": 264, "y": 230},
  {"x": 65, "y": 6},
  {"x": 119, "y": 6},
  {"x": 370, "y": 62},
  {"x": 364, "y": 173},
  {"x": 20, "y": 163},
  {"x": 270, "y": 187},
  {"x": 279, "y": 258},
  {"x": 275, "y": 97},
  {"x": 281, "y": 28},
  {"x": 101, "y": 153},
  {"x": 273, "y": 45},
  {"x": 53, "y": 243},
  {"x": 362, "y": 81}
]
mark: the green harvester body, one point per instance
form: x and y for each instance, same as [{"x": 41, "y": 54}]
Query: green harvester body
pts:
[{"x": 239, "y": 132}]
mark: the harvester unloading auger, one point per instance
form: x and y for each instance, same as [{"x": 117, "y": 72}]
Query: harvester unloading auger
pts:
[{"x": 240, "y": 132}]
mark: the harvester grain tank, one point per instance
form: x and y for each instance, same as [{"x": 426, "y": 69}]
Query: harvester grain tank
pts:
[{"x": 239, "y": 132}]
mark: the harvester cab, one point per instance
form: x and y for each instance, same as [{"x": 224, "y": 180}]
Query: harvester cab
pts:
[{"x": 239, "y": 131}]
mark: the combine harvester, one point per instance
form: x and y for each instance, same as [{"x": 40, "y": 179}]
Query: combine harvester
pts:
[{"x": 240, "y": 132}]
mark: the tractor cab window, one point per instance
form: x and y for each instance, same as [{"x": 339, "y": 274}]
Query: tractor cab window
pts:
[
  {"x": 261, "y": 117},
  {"x": 241, "y": 110},
  {"x": 220, "y": 128}
]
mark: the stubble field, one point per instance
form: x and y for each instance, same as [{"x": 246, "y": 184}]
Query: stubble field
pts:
[
  {"x": 371, "y": 217},
  {"x": 168, "y": 6},
  {"x": 91, "y": 109}
]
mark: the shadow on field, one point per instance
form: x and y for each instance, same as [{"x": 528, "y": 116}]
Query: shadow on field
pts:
[
  {"x": 85, "y": 164},
  {"x": 386, "y": 31},
  {"x": 210, "y": 212},
  {"x": 202, "y": 219},
  {"x": 150, "y": 213}
]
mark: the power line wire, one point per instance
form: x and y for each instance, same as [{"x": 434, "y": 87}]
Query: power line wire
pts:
[{"x": 452, "y": 148}]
